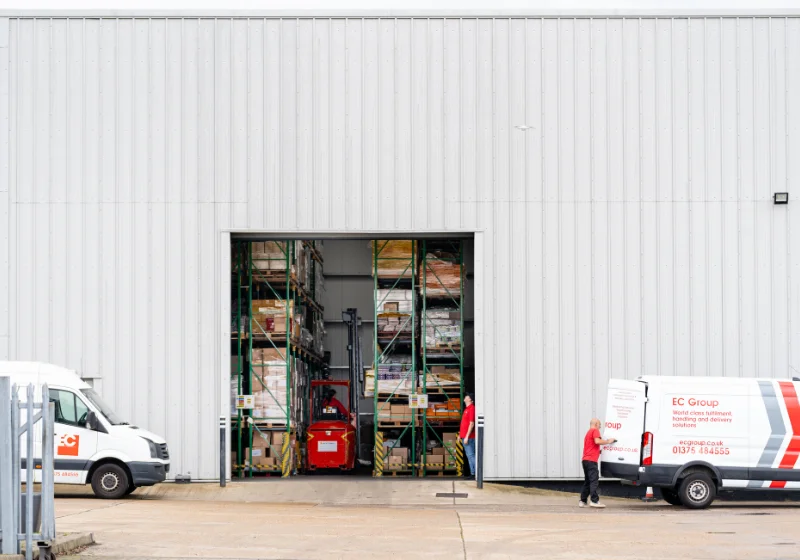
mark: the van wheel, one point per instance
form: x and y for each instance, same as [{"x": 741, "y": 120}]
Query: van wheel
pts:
[
  {"x": 697, "y": 491},
  {"x": 671, "y": 496},
  {"x": 110, "y": 481}
]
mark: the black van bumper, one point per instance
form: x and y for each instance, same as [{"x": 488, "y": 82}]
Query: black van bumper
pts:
[{"x": 148, "y": 474}]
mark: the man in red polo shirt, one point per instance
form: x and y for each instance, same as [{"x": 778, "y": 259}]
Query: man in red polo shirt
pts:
[
  {"x": 467, "y": 433},
  {"x": 591, "y": 455}
]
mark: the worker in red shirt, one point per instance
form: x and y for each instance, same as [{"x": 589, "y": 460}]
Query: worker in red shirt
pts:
[
  {"x": 467, "y": 433},
  {"x": 591, "y": 455}
]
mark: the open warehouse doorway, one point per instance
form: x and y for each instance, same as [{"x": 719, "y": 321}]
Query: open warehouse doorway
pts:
[{"x": 350, "y": 355}]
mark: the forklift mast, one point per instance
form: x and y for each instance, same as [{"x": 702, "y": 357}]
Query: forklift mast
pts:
[{"x": 356, "y": 370}]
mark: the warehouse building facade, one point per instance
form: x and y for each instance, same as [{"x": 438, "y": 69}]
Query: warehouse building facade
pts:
[{"x": 617, "y": 176}]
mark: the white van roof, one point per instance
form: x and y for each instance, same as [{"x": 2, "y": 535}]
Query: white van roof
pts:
[{"x": 45, "y": 373}]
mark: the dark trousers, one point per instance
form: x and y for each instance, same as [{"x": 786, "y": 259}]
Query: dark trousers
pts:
[{"x": 591, "y": 480}]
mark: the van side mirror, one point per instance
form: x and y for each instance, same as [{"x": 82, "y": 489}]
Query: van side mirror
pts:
[{"x": 91, "y": 421}]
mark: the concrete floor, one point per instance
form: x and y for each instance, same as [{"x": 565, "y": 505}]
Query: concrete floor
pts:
[{"x": 329, "y": 517}]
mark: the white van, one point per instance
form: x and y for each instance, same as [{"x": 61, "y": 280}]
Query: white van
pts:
[
  {"x": 93, "y": 445},
  {"x": 695, "y": 436}
]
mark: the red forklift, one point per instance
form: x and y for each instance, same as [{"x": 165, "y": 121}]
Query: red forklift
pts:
[{"x": 331, "y": 433}]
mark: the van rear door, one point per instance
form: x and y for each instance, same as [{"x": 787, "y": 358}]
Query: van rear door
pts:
[{"x": 624, "y": 421}]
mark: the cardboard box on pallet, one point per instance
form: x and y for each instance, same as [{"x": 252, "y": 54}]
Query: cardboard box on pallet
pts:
[
  {"x": 400, "y": 452},
  {"x": 450, "y": 437}
]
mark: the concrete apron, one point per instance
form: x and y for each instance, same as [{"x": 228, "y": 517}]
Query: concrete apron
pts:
[{"x": 355, "y": 492}]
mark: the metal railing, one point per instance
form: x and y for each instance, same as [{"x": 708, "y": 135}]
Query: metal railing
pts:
[{"x": 13, "y": 529}]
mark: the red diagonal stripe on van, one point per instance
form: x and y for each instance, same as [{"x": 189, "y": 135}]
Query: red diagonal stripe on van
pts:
[{"x": 792, "y": 452}]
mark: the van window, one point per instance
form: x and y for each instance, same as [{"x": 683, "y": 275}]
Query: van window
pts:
[{"x": 69, "y": 408}]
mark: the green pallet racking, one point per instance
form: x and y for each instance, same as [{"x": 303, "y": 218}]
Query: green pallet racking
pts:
[
  {"x": 274, "y": 279},
  {"x": 423, "y": 264},
  {"x": 449, "y": 355},
  {"x": 399, "y": 273}
]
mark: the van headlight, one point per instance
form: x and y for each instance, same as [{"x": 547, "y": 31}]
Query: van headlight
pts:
[{"x": 153, "y": 448}]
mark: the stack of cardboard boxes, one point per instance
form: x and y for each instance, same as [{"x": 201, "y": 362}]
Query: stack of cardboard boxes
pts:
[
  {"x": 394, "y": 412},
  {"x": 396, "y": 459},
  {"x": 269, "y": 317},
  {"x": 266, "y": 450},
  {"x": 445, "y": 411},
  {"x": 443, "y": 457}
]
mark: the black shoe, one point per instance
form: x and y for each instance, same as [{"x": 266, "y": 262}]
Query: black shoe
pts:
[{"x": 471, "y": 477}]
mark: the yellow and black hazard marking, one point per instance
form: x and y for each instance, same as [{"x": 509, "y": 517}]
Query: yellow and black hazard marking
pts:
[
  {"x": 286, "y": 462},
  {"x": 459, "y": 457},
  {"x": 378, "y": 471}
]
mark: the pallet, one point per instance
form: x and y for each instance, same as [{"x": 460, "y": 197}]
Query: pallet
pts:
[
  {"x": 394, "y": 424},
  {"x": 395, "y": 473},
  {"x": 447, "y": 390},
  {"x": 276, "y": 426},
  {"x": 442, "y": 423},
  {"x": 440, "y": 351}
]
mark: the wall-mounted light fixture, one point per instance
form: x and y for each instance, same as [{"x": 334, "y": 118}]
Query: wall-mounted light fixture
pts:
[{"x": 781, "y": 198}]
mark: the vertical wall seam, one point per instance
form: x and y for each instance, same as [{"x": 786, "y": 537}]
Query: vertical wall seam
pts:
[
  {"x": 723, "y": 249},
  {"x": 640, "y": 154},
  {"x": 706, "y": 201},
  {"x": 657, "y": 202},
  {"x": 543, "y": 240},
  {"x": 755, "y": 204},
  {"x": 772, "y": 163},
  {"x": 673, "y": 197},
  {"x": 526, "y": 252},
  {"x": 576, "y": 203},
  {"x": 592, "y": 209},
  {"x": 788, "y": 218},
  {"x": 625, "y": 325},
  {"x": 739, "y": 257},
  {"x": 690, "y": 193},
  {"x": 559, "y": 223}
]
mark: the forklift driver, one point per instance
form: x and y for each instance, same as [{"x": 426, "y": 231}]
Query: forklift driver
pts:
[{"x": 332, "y": 405}]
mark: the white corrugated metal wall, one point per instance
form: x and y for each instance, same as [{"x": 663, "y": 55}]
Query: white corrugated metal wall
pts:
[{"x": 629, "y": 231}]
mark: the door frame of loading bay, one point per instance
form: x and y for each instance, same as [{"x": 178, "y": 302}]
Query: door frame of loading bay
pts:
[{"x": 223, "y": 260}]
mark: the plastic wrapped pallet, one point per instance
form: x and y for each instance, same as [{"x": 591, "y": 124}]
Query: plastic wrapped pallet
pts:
[
  {"x": 395, "y": 258},
  {"x": 443, "y": 329},
  {"x": 442, "y": 275},
  {"x": 269, "y": 255}
]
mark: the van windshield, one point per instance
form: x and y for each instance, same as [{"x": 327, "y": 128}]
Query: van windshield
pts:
[{"x": 104, "y": 409}]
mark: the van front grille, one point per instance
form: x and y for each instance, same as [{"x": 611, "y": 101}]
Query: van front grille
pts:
[{"x": 163, "y": 452}]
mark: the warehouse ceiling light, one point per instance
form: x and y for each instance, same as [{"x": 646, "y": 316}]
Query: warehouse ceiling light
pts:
[
  {"x": 781, "y": 198},
  {"x": 523, "y": 127}
]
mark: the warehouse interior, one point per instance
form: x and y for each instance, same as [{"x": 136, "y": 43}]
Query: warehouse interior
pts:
[{"x": 306, "y": 397}]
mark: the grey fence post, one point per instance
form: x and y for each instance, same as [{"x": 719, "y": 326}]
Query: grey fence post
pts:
[
  {"x": 16, "y": 473},
  {"x": 29, "y": 459},
  {"x": 8, "y": 529},
  {"x": 479, "y": 458},
  {"x": 48, "y": 451}
]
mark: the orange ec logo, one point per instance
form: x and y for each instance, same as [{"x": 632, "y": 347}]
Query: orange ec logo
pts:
[{"x": 68, "y": 445}]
